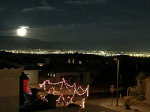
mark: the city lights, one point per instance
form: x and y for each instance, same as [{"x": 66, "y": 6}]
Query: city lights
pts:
[{"x": 93, "y": 52}]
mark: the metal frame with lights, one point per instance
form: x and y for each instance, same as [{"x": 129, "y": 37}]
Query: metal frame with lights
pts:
[{"x": 62, "y": 99}]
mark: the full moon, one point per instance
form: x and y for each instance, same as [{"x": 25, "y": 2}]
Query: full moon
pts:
[{"x": 22, "y": 31}]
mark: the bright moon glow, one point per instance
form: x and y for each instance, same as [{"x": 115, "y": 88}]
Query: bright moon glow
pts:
[{"x": 22, "y": 31}]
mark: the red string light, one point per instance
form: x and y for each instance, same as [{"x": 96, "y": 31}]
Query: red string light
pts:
[{"x": 62, "y": 94}]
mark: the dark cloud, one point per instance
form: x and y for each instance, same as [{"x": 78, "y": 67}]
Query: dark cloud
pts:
[
  {"x": 2, "y": 9},
  {"x": 84, "y": 1},
  {"x": 43, "y": 8},
  {"x": 116, "y": 24}
]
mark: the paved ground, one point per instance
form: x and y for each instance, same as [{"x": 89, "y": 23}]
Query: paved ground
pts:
[
  {"x": 96, "y": 108},
  {"x": 88, "y": 108},
  {"x": 102, "y": 104},
  {"x": 106, "y": 102}
]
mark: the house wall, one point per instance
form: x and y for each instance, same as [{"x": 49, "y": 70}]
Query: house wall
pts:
[
  {"x": 147, "y": 89},
  {"x": 32, "y": 75},
  {"x": 141, "y": 86},
  {"x": 85, "y": 80},
  {"x": 9, "y": 89},
  {"x": 60, "y": 75}
]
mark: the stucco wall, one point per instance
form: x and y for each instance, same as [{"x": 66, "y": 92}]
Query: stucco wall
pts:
[
  {"x": 86, "y": 77},
  {"x": 9, "y": 90},
  {"x": 32, "y": 75},
  {"x": 60, "y": 75},
  {"x": 147, "y": 89}
]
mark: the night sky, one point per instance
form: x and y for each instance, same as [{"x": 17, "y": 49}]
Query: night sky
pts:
[{"x": 99, "y": 24}]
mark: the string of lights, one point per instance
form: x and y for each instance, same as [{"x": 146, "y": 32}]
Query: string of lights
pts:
[{"x": 64, "y": 98}]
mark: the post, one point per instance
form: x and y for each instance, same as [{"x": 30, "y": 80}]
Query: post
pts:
[
  {"x": 117, "y": 81},
  {"x": 112, "y": 91},
  {"x": 112, "y": 99}
]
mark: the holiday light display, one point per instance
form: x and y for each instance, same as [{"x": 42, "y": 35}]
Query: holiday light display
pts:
[
  {"x": 66, "y": 92},
  {"x": 83, "y": 103}
]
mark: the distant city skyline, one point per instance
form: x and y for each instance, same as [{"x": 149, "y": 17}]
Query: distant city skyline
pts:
[
  {"x": 91, "y": 52},
  {"x": 85, "y": 24}
]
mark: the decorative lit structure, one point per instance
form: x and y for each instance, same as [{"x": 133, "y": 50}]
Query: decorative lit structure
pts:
[{"x": 65, "y": 92}]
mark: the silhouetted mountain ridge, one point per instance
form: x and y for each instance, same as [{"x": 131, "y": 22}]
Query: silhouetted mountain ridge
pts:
[{"x": 14, "y": 42}]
